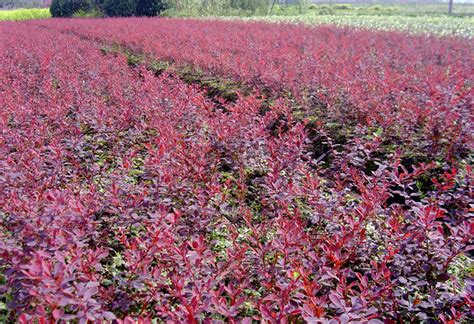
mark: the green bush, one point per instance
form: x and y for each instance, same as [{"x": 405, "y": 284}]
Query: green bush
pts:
[
  {"x": 343, "y": 6},
  {"x": 67, "y": 8},
  {"x": 93, "y": 13},
  {"x": 120, "y": 8}
]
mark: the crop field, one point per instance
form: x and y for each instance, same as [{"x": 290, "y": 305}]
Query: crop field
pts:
[
  {"x": 414, "y": 19},
  {"x": 377, "y": 8},
  {"x": 24, "y": 14},
  {"x": 187, "y": 170},
  {"x": 435, "y": 25}
]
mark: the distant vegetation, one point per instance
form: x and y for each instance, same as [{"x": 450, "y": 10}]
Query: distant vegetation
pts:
[
  {"x": 410, "y": 17},
  {"x": 433, "y": 24},
  {"x": 24, "y": 14},
  {"x": 264, "y": 7},
  {"x": 111, "y": 8}
]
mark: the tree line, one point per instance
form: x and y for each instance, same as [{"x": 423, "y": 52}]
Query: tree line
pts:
[
  {"x": 126, "y": 8},
  {"x": 111, "y": 8}
]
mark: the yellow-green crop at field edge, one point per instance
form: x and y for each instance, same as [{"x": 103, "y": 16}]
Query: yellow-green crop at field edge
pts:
[{"x": 23, "y": 14}]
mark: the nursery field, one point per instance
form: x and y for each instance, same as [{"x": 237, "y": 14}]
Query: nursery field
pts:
[
  {"x": 217, "y": 171},
  {"x": 435, "y": 25}
]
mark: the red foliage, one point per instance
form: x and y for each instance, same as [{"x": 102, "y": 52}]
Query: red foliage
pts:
[
  {"x": 130, "y": 196},
  {"x": 417, "y": 89}
]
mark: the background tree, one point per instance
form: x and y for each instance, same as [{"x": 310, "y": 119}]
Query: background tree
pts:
[
  {"x": 98, "y": 4},
  {"x": 67, "y": 8},
  {"x": 149, "y": 7},
  {"x": 120, "y": 8}
]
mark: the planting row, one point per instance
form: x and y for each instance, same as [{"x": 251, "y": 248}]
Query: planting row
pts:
[{"x": 130, "y": 196}]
